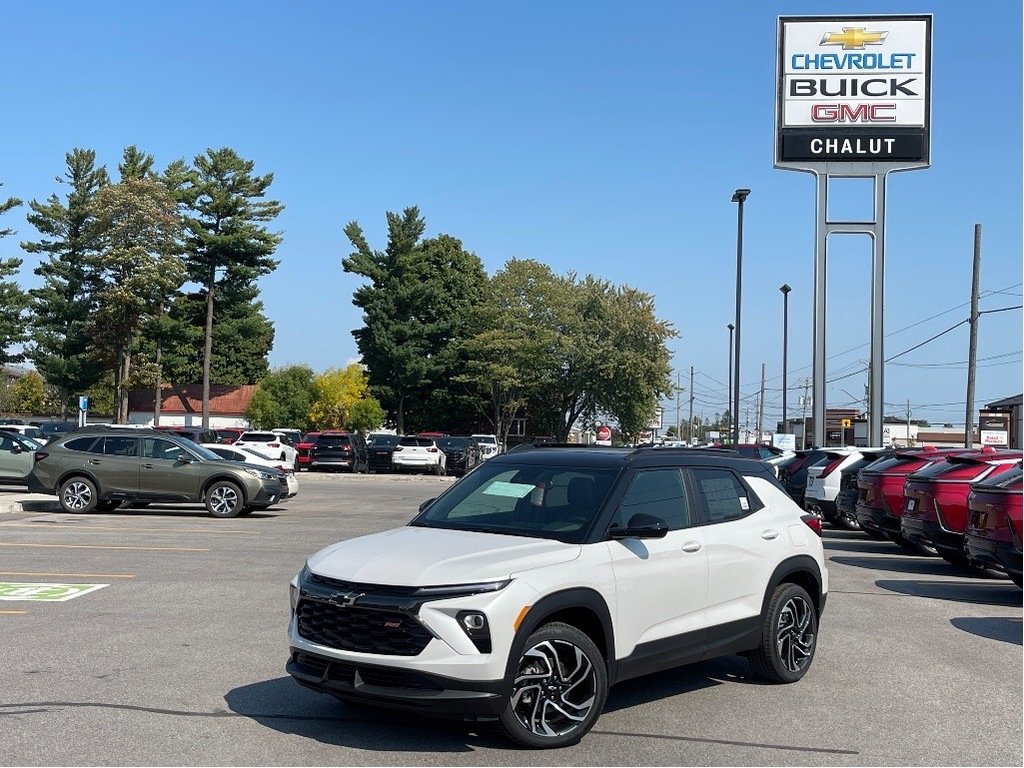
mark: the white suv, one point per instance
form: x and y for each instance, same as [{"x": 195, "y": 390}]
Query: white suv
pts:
[
  {"x": 548, "y": 574},
  {"x": 823, "y": 481},
  {"x": 269, "y": 444},
  {"x": 488, "y": 445},
  {"x": 419, "y": 454}
]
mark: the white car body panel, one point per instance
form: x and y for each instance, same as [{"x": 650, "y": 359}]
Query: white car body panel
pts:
[{"x": 251, "y": 456}]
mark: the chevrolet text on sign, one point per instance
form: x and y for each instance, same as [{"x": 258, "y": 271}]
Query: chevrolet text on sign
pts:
[{"x": 854, "y": 89}]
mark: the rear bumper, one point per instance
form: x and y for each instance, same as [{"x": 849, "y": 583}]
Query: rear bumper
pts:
[
  {"x": 396, "y": 688},
  {"x": 35, "y": 486},
  {"x": 991, "y": 553},
  {"x": 823, "y": 507},
  {"x": 877, "y": 520},
  {"x": 930, "y": 534}
]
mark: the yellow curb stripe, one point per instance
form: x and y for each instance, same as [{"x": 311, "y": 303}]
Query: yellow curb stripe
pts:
[
  {"x": 12, "y": 613},
  {"x": 122, "y": 529},
  {"x": 103, "y": 546},
  {"x": 70, "y": 575}
]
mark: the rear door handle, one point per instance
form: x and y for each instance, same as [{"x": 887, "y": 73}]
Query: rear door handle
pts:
[
  {"x": 769, "y": 534},
  {"x": 147, "y": 466},
  {"x": 691, "y": 546}
]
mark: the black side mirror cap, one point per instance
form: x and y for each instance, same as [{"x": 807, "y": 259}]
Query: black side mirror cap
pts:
[
  {"x": 427, "y": 503},
  {"x": 641, "y": 526}
]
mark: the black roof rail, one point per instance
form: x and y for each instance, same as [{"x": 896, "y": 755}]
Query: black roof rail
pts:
[{"x": 690, "y": 450}]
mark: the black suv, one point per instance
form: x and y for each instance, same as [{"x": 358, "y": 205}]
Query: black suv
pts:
[
  {"x": 461, "y": 453},
  {"x": 339, "y": 450},
  {"x": 545, "y": 575}
]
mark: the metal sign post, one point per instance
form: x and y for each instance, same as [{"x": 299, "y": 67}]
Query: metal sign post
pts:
[{"x": 854, "y": 101}]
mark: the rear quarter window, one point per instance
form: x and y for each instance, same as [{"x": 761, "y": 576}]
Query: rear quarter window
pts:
[{"x": 85, "y": 444}]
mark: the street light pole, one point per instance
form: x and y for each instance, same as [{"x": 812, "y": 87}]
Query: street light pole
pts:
[
  {"x": 732, "y": 413},
  {"x": 738, "y": 197},
  {"x": 785, "y": 351}
]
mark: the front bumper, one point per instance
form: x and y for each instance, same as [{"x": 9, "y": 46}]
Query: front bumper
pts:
[
  {"x": 395, "y": 687},
  {"x": 269, "y": 494}
]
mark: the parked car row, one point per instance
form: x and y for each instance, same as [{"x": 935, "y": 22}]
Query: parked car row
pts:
[{"x": 961, "y": 504}]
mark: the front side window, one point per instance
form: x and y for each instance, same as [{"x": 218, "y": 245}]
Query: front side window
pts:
[
  {"x": 158, "y": 448},
  {"x": 655, "y": 492},
  {"x": 724, "y": 496}
]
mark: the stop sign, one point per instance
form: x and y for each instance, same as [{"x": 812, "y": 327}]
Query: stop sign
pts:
[{"x": 604, "y": 433}]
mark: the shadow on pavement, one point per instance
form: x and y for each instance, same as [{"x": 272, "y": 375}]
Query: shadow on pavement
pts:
[
  {"x": 991, "y": 593},
  {"x": 864, "y": 545},
  {"x": 923, "y": 565},
  {"x": 287, "y": 707},
  {"x": 994, "y": 628},
  {"x": 673, "y": 682}
]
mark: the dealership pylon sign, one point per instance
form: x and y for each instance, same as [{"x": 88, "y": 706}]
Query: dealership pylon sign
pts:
[
  {"x": 854, "y": 101},
  {"x": 853, "y": 90}
]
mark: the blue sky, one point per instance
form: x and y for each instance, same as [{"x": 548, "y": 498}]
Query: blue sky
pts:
[{"x": 596, "y": 137}]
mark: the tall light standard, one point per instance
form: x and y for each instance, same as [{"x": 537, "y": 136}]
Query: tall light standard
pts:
[
  {"x": 785, "y": 351},
  {"x": 738, "y": 197},
  {"x": 732, "y": 414}
]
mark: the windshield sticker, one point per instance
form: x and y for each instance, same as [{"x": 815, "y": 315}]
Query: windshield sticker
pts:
[
  {"x": 46, "y": 593},
  {"x": 744, "y": 504},
  {"x": 510, "y": 490}
]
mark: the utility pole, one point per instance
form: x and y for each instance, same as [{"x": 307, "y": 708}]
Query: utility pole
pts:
[
  {"x": 972, "y": 352},
  {"x": 760, "y": 408},
  {"x": 803, "y": 403},
  {"x": 908, "y": 423},
  {"x": 689, "y": 431},
  {"x": 679, "y": 389}
]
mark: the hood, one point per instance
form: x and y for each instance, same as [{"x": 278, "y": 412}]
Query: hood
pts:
[{"x": 418, "y": 557}]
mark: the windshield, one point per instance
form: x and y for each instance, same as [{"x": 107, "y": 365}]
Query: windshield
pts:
[
  {"x": 383, "y": 441},
  {"x": 451, "y": 442},
  {"x": 539, "y": 501},
  {"x": 486, "y": 439}
]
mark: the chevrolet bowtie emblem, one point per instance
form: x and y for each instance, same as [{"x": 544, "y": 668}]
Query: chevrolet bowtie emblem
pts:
[
  {"x": 347, "y": 599},
  {"x": 853, "y": 38}
]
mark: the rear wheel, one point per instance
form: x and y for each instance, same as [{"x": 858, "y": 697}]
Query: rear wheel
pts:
[
  {"x": 224, "y": 499},
  {"x": 558, "y": 690},
  {"x": 788, "y": 637},
  {"x": 77, "y": 495}
]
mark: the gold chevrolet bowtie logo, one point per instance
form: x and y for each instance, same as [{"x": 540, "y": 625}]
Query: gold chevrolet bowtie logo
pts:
[{"x": 853, "y": 38}]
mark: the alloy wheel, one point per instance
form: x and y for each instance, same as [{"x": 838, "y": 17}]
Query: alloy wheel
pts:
[
  {"x": 795, "y": 634},
  {"x": 77, "y": 495},
  {"x": 223, "y": 500},
  {"x": 555, "y": 688}
]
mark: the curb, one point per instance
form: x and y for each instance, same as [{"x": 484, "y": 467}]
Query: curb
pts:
[{"x": 32, "y": 502}]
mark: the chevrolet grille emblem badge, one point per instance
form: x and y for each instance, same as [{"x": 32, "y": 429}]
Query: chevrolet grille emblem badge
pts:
[
  {"x": 853, "y": 38},
  {"x": 347, "y": 599}
]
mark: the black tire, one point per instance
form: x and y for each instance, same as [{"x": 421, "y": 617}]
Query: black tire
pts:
[
  {"x": 108, "y": 506},
  {"x": 440, "y": 470},
  {"x": 560, "y": 664},
  {"x": 1017, "y": 579},
  {"x": 224, "y": 499},
  {"x": 849, "y": 523},
  {"x": 77, "y": 495},
  {"x": 789, "y": 636}
]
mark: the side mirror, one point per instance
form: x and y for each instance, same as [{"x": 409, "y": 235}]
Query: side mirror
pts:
[
  {"x": 426, "y": 504},
  {"x": 641, "y": 526},
  {"x": 17, "y": 448},
  {"x": 185, "y": 458}
]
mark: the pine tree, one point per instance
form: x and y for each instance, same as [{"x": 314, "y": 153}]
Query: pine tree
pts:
[
  {"x": 13, "y": 301},
  {"x": 61, "y": 308}
]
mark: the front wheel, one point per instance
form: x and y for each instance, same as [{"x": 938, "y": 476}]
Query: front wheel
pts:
[
  {"x": 224, "y": 499},
  {"x": 849, "y": 523},
  {"x": 788, "y": 637},
  {"x": 558, "y": 690}
]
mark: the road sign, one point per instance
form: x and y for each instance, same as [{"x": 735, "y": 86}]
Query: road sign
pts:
[{"x": 846, "y": 423}]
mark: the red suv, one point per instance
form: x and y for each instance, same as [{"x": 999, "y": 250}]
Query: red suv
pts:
[
  {"x": 303, "y": 447},
  {"x": 993, "y": 537},
  {"x": 935, "y": 514},
  {"x": 880, "y": 490}
]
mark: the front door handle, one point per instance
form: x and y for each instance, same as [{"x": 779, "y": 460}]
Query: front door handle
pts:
[
  {"x": 147, "y": 466},
  {"x": 769, "y": 534},
  {"x": 691, "y": 546},
  {"x": 93, "y": 461}
]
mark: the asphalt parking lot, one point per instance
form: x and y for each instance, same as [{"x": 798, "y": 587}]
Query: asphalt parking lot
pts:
[{"x": 179, "y": 658}]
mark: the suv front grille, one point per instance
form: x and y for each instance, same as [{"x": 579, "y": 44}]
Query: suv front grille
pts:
[
  {"x": 345, "y": 672},
  {"x": 352, "y": 628}
]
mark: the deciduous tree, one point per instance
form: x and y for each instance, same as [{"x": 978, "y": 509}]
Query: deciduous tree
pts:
[{"x": 283, "y": 399}]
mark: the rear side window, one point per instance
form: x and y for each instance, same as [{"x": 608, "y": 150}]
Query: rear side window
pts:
[
  {"x": 87, "y": 444},
  {"x": 724, "y": 496},
  {"x": 657, "y": 492},
  {"x": 121, "y": 446}
]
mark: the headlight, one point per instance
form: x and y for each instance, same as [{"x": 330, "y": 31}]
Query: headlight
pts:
[
  {"x": 261, "y": 474},
  {"x": 294, "y": 588},
  {"x": 462, "y": 589}
]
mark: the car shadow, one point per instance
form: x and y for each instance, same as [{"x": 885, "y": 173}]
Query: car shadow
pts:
[
  {"x": 992, "y": 593},
  {"x": 180, "y": 510},
  {"x": 1000, "y": 628},
  {"x": 287, "y": 707},
  {"x": 913, "y": 563},
  {"x": 863, "y": 545},
  {"x": 674, "y": 682}
]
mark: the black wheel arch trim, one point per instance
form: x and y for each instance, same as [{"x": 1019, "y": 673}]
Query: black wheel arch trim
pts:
[
  {"x": 233, "y": 480},
  {"x": 550, "y": 605},
  {"x": 789, "y": 566},
  {"x": 73, "y": 473}
]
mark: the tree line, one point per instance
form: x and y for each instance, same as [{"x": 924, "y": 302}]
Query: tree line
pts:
[
  {"x": 153, "y": 277},
  {"x": 148, "y": 278}
]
